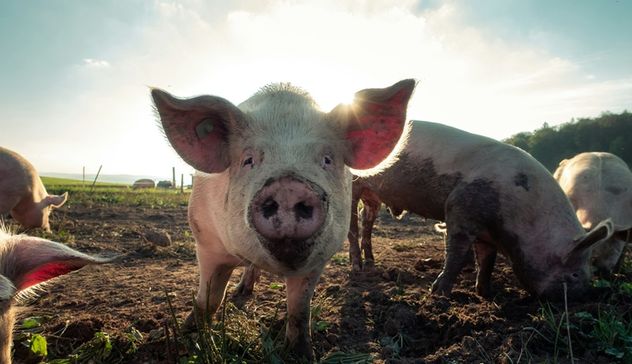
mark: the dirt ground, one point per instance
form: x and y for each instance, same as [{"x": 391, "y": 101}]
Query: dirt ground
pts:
[{"x": 385, "y": 311}]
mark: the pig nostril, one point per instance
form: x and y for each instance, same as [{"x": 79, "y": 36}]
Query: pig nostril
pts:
[
  {"x": 269, "y": 208},
  {"x": 303, "y": 211}
]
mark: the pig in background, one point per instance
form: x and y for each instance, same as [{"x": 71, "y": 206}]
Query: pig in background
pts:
[
  {"x": 274, "y": 186},
  {"x": 26, "y": 261},
  {"x": 22, "y": 193},
  {"x": 493, "y": 197},
  {"x": 599, "y": 185}
]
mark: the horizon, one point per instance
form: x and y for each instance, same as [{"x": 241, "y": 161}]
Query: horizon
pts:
[{"x": 75, "y": 82}]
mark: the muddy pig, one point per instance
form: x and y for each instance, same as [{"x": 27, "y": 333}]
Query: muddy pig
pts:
[
  {"x": 599, "y": 185},
  {"x": 493, "y": 197},
  {"x": 22, "y": 193},
  {"x": 274, "y": 186},
  {"x": 26, "y": 261}
]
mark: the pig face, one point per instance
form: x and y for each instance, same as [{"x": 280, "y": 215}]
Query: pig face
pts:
[
  {"x": 289, "y": 190},
  {"x": 36, "y": 214},
  {"x": 574, "y": 268}
]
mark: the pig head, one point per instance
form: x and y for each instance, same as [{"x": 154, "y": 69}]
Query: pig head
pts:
[{"x": 275, "y": 187}]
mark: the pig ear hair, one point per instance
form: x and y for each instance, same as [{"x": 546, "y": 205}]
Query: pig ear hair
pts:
[
  {"x": 374, "y": 123},
  {"x": 56, "y": 201},
  {"x": 599, "y": 233},
  {"x": 198, "y": 128},
  {"x": 29, "y": 261}
]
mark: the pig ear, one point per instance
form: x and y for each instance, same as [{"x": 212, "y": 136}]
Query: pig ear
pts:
[
  {"x": 7, "y": 289},
  {"x": 56, "y": 201},
  {"x": 601, "y": 232},
  {"x": 33, "y": 261},
  {"x": 198, "y": 128},
  {"x": 374, "y": 122}
]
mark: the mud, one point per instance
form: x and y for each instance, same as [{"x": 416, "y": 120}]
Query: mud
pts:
[{"x": 384, "y": 310}]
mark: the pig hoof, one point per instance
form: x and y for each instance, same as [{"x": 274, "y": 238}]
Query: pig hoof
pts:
[
  {"x": 484, "y": 292},
  {"x": 440, "y": 288},
  {"x": 242, "y": 290},
  {"x": 192, "y": 322},
  {"x": 369, "y": 264}
]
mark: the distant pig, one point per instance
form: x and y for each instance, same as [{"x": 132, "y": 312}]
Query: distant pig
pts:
[
  {"x": 599, "y": 185},
  {"x": 492, "y": 196},
  {"x": 274, "y": 186},
  {"x": 22, "y": 193},
  {"x": 26, "y": 261}
]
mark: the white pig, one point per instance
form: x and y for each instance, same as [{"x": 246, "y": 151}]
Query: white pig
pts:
[
  {"x": 599, "y": 185},
  {"x": 22, "y": 193},
  {"x": 493, "y": 197},
  {"x": 274, "y": 186},
  {"x": 26, "y": 261}
]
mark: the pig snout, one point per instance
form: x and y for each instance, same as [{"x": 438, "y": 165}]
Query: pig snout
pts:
[
  {"x": 288, "y": 209},
  {"x": 288, "y": 213}
]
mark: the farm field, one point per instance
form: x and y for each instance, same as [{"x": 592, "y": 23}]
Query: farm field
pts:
[{"x": 124, "y": 312}]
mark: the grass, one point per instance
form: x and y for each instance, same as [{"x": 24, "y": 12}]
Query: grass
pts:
[{"x": 107, "y": 194}]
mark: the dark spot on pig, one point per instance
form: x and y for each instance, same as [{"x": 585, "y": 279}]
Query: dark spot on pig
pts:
[
  {"x": 614, "y": 190},
  {"x": 425, "y": 189},
  {"x": 522, "y": 180},
  {"x": 475, "y": 208}
]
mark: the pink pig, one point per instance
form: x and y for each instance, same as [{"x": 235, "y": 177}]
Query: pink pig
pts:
[
  {"x": 274, "y": 186},
  {"x": 22, "y": 193}
]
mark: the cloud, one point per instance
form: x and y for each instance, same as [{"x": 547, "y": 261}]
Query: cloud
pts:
[
  {"x": 470, "y": 78},
  {"x": 95, "y": 63}
]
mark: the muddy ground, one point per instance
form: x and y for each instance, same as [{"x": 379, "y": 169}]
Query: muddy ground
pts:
[{"x": 385, "y": 311}]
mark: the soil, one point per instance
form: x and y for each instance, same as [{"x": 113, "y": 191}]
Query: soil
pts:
[{"x": 385, "y": 310}]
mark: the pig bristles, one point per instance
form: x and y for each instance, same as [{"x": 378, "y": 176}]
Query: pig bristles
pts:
[{"x": 390, "y": 159}]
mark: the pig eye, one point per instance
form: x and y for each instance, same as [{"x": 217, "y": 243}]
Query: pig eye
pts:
[
  {"x": 248, "y": 161},
  {"x": 327, "y": 161}
]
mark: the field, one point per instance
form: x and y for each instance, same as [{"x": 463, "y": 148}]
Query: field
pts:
[{"x": 129, "y": 311}]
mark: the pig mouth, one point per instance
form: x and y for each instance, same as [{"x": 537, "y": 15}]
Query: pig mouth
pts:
[{"x": 291, "y": 252}]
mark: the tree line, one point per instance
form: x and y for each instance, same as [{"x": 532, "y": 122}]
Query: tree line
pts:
[{"x": 607, "y": 133}]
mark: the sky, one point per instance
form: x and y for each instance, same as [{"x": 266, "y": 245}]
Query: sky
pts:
[{"x": 75, "y": 75}]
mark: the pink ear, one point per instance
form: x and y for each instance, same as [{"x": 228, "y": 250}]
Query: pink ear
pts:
[
  {"x": 29, "y": 261},
  {"x": 56, "y": 201},
  {"x": 375, "y": 122},
  {"x": 198, "y": 128}
]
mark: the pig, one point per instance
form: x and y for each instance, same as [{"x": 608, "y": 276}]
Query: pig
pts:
[
  {"x": 492, "y": 197},
  {"x": 25, "y": 262},
  {"x": 599, "y": 186},
  {"x": 22, "y": 193},
  {"x": 273, "y": 186}
]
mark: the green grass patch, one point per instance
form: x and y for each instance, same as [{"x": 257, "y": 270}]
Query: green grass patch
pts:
[{"x": 55, "y": 181}]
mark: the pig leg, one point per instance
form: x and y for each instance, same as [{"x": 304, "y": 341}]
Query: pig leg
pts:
[
  {"x": 485, "y": 258},
  {"x": 247, "y": 283},
  {"x": 369, "y": 214},
  {"x": 456, "y": 252},
  {"x": 355, "y": 256},
  {"x": 300, "y": 290},
  {"x": 215, "y": 271}
]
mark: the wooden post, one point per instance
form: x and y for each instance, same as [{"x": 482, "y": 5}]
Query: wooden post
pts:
[
  {"x": 95, "y": 178},
  {"x": 182, "y": 183},
  {"x": 173, "y": 177},
  {"x": 84, "y": 176}
]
